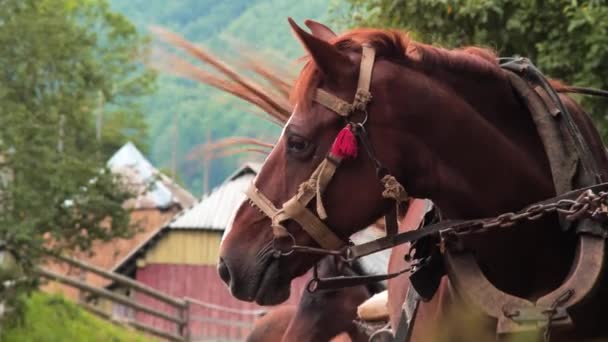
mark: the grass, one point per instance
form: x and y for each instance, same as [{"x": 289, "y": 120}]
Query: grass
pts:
[{"x": 51, "y": 318}]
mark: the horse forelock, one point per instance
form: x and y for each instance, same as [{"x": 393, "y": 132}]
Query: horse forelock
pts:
[{"x": 397, "y": 46}]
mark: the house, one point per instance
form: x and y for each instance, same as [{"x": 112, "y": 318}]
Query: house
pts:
[{"x": 158, "y": 199}]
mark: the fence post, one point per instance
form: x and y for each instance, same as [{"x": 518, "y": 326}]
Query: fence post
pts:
[{"x": 185, "y": 315}]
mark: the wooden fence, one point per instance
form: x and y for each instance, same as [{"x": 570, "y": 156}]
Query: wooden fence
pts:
[{"x": 181, "y": 317}]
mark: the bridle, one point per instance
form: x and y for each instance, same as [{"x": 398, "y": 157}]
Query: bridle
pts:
[{"x": 296, "y": 208}]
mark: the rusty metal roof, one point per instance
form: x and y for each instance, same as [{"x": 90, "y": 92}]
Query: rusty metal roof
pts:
[
  {"x": 214, "y": 210},
  {"x": 154, "y": 189}
]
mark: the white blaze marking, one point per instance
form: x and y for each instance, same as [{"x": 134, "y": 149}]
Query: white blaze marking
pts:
[{"x": 231, "y": 220}]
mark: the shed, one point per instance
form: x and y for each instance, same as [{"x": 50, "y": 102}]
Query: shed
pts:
[
  {"x": 180, "y": 260},
  {"x": 158, "y": 199}
]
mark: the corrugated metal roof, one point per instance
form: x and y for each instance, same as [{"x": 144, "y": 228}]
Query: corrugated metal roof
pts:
[
  {"x": 215, "y": 210},
  {"x": 154, "y": 189},
  {"x": 223, "y": 199}
]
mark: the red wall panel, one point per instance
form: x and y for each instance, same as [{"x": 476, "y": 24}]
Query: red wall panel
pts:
[{"x": 201, "y": 282}]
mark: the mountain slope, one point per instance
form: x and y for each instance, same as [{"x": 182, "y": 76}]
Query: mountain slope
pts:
[{"x": 201, "y": 111}]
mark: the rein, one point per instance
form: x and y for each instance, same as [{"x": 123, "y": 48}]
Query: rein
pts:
[{"x": 575, "y": 204}]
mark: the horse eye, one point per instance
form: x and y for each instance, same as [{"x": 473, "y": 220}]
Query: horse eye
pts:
[{"x": 297, "y": 144}]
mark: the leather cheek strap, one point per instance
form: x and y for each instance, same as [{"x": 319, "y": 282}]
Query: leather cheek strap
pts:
[
  {"x": 362, "y": 96},
  {"x": 312, "y": 225},
  {"x": 295, "y": 208}
]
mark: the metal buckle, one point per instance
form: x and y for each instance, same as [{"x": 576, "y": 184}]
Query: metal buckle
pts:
[
  {"x": 360, "y": 123},
  {"x": 283, "y": 242},
  {"x": 535, "y": 314}
]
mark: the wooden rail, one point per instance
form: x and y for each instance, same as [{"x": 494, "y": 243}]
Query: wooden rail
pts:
[
  {"x": 139, "y": 287},
  {"x": 157, "y": 332},
  {"x": 182, "y": 318},
  {"x": 107, "y": 294},
  {"x": 257, "y": 312},
  {"x": 229, "y": 322}
]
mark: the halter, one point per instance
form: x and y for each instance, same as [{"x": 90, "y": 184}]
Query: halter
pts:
[{"x": 296, "y": 207}]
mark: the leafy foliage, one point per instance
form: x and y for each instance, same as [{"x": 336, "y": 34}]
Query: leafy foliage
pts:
[
  {"x": 55, "y": 319},
  {"x": 566, "y": 39},
  {"x": 62, "y": 57}
]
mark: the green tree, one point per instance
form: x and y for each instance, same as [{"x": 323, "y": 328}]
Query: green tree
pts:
[
  {"x": 566, "y": 39},
  {"x": 63, "y": 62}
]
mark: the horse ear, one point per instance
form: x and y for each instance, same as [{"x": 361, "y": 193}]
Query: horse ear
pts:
[
  {"x": 319, "y": 30},
  {"x": 327, "y": 57}
]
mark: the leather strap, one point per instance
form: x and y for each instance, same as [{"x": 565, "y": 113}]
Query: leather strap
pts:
[
  {"x": 536, "y": 77},
  {"x": 295, "y": 210},
  {"x": 334, "y": 103},
  {"x": 324, "y": 236},
  {"x": 350, "y": 281},
  {"x": 317, "y": 183},
  {"x": 341, "y": 282},
  {"x": 408, "y": 315},
  {"x": 359, "y": 251},
  {"x": 366, "y": 68},
  {"x": 362, "y": 96},
  {"x": 260, "y": 201},
  {"x": 472, "y": 285},
  {"x": 390, "y": 221}
]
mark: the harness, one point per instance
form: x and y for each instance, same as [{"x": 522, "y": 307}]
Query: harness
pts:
[
  {"x": 296, "y": 207},
  {"x": 584, "y": 203}
]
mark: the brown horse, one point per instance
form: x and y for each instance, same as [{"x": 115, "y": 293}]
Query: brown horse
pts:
[
  {"x": 320, "y": 316},
  {"x": 449, "y": 127}
]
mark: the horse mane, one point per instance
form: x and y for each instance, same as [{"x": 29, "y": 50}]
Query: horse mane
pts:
[{"x": 397, "y": 46}]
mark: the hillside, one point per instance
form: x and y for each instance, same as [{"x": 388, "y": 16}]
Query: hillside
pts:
[
  {"x": 54, "y": 319},
  {"x": 260, "y": 25}
]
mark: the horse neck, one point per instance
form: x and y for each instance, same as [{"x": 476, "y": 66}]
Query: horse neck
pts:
[
  {"x": 479, "y": 155},
  {"x": 476, "y": 151}
]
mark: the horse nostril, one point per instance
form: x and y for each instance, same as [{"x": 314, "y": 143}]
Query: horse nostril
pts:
[{"x": 223, "y": 271}]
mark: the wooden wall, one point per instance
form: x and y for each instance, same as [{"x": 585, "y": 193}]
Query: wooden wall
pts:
[{"x": 184, "y": 247}]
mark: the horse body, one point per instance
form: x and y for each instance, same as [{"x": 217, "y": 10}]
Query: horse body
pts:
[{"x": 448, "y": 126}]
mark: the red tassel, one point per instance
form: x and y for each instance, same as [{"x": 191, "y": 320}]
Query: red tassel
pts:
[{"x": 345, "y": 145}]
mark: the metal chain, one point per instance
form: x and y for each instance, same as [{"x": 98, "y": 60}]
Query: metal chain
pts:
[{"x": 587, "y": 204}]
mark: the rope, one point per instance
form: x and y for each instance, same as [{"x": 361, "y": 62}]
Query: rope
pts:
[
  {"x": 320, "y": 207},
  {"x": 393, "y": 189},
  {"x": 226, "y": 309}
]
